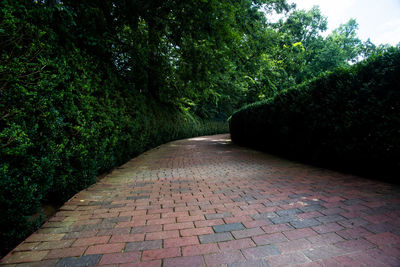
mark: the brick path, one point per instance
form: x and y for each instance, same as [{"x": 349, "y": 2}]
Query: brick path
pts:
[{"x": 206, "y": 202}]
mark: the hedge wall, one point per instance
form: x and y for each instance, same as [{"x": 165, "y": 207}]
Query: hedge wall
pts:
[
  {"x": 58, "y": 135},
  {"x": 348, "y": 119},
  {"x": 65, "y": 117}
]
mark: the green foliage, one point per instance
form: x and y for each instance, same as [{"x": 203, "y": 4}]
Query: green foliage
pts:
[
  {"x": 67, "y": 116},
  {"x": 86, "y": 85},
  {"x": 300, "y": 52},
  {"x": 347, "y": 118}
]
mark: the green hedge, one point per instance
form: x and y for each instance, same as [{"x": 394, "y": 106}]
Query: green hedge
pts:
[
  {"x": 58, "y": 135},
  {"x": 348, "y": 119},
  {"x": 65, "y": 117}
]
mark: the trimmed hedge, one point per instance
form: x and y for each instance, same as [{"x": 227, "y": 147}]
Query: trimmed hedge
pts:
[
  {"x": 66, "y": 117},
  {"x": 347, "y": 119},
  {"x": 59, "y": 137}
]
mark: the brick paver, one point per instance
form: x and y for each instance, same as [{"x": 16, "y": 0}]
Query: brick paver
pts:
[{"x": 206, "y": 202}]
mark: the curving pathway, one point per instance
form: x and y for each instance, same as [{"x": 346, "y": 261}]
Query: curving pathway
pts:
[{"x": 206, "y": 202}]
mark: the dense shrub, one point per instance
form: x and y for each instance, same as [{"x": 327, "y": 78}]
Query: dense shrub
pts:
[
  {"x": 66, "y": 117},
  {"x": 349, "y": 118}
]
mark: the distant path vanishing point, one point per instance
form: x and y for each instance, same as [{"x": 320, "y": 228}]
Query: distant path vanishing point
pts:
[{"x": 207, "y": 202}]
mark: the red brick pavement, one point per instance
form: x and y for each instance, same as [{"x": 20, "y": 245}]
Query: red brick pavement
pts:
[{"x": 206, "y": 202}]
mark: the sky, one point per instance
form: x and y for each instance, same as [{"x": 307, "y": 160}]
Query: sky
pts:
[{"x": 378, "y": 20}]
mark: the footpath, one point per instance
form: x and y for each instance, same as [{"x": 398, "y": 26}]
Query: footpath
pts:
[{"x": 207, "y": 202}]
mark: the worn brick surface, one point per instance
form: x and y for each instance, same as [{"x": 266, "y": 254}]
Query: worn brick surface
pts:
[
  {"x": 299, "y": 233},
  {"x": 190, "y": 261},
  {"x": 277, "y": 228},
  {"x": 199, "y": 249},
  {"x": 178, "y": 226},
  {"x": 105, "y": 248},
  {"x": 325, "y": 239},
  {"x": 269, "y": 238},
  {"x": 146, "y": 229},
  {"x": 208, "y": 223},
  {"x": 162, "y": 235},
  {"x": 66, "y": 252},
  {"x": 218, "y": 215},
  {"x": 89, "y": 260},
  {"x": 260, "y": 252},
  {"x": 53, "y": 245},
  {"x": 303, "y": 223},
  {"x": 291, "y": 259},
  {"x": 190, "y": 218},
  {"x": 153, "y": 263},
  {"x": 197, "y": 231},
  {"x": 206, "y": 202},
  {"x": 160, "y": 254},
  {"x": 390, "y": 259},
  {"x": 247, "y": 232},
  {"x": 252, "y": 263},
  {"x": 143, "y": 245},
  {"x": 256, "y": 223},
  {"x": 294, "y": 245},
  {"x": 327, "y": 228},
  {"x": 236, "y": 244},
  {"x": 384, "y": 238},
  {"x": 355, "y": 245},
  {"x": 126, "y": 238},
  {"x": 214, "y": 238},
  {"x": 228, "y": 227},
  {"x": 223, "y": 258},
  {"x": 309, "y": 215},
  {"x": 179, "y": 242},
  {"x": 323, "y": 252},
  {"x": 28, "y": 256},
  {"x": 24, "y": 246},
  {"x": 91, "y": 241},
  {"x": 354, "y": 233},
  {"x": 116, "y": 258},
  {"x": 44, "y": 237}
]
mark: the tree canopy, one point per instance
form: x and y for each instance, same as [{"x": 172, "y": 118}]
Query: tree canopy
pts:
[{"x": 207, "y": 56}]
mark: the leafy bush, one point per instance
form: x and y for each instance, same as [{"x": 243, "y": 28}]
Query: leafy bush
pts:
[
  {"x": 348, "y": 118},
  {"x": 66, "y": 117}
]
